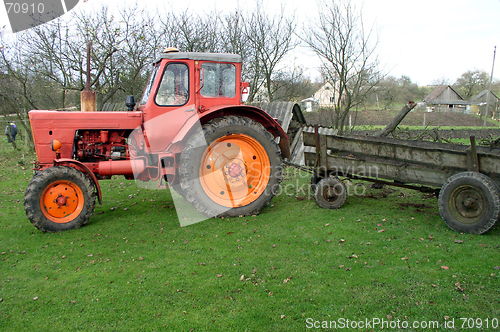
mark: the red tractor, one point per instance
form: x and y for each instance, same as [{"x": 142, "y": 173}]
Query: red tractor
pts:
[{"x": 190, "y": 130}]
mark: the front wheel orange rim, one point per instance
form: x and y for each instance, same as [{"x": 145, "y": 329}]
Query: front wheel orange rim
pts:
[
  {"x": 62, "y": 201},
  {"x": 235, "y": 170}
]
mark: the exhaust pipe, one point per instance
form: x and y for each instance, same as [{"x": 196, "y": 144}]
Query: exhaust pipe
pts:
[{"x": 121, "y": 167}]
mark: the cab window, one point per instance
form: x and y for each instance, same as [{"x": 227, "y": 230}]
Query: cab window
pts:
[
  {"x": 174, "y": 86},
  {"x": 218, "y": 80}
]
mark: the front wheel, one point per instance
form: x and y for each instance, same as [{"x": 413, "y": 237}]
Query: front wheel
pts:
[
  {"x": 469, "y": 202},
  {"x": 59, "y": 198},
  {"x": 231, "y": 167}
]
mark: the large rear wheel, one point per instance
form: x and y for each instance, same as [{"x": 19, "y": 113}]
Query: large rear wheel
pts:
[
  {"x": 59, "y": 198},
  {"x": 231, "y": 167}
]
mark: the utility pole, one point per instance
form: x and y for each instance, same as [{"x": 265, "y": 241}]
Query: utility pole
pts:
[{"x": 489, "y": 88}]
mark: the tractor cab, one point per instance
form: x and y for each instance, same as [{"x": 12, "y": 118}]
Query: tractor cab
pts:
[{"x": 201, "y": 80}]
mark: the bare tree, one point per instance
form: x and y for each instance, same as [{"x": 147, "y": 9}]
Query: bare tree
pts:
[
  {"x": 292, "y": 85},
  {"x": 271, "y": 38},
  {"x": 346, "y": 49}
]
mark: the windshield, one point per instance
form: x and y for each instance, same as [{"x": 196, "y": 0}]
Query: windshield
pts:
[
  {"x": 174, "y": 86},
  {"x": 149, "y": 86}
]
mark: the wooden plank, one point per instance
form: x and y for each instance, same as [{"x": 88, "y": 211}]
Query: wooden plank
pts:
[
  {"x": 323, "y": 161},
  {"x": 472, "y": 159},
  {"x": 404, "y": 174}
]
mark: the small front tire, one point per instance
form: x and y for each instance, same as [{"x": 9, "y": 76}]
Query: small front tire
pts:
[{"x": 59, "y": 198}]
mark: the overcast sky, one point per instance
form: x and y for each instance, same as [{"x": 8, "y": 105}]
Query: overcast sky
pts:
[{"x": 426, "y": 40}]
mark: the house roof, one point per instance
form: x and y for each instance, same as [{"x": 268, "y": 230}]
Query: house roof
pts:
[
  {"x": 439, "y": 97},
  {"x": 437, "y": 92},
  {"x": 482, "y": 95}
]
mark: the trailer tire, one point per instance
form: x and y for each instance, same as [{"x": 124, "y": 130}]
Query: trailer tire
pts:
[
  {"x": 231, "y": 167},
  {"x": 469, "y": 202},
  {"x": 330, "y": 193},
  {"x": 51, "y": 211}
]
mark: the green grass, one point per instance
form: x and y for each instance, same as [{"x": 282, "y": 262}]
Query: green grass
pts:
[{"x": 386, "y": 254}]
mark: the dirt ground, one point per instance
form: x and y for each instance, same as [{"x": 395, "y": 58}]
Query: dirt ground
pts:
[{"x": 416, "y": 118}]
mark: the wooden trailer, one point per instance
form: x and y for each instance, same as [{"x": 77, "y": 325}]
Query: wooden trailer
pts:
[{"x": 467, "y": 177}]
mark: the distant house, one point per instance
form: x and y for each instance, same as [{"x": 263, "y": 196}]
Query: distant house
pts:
[
  {"x": 309, "y": 104},
  {"x": 479, "y": 103},
  {"x": 326, "y": 96},
  {"x": 445, "y": 99}
]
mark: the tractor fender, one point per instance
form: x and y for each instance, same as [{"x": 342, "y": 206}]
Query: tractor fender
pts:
[
  {"x": 251, "y": 112},
  {"x": 63, "y": 161}
]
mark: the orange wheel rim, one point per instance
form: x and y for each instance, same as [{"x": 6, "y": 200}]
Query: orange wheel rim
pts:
[
  {"x": 62, "y": 201},
  {"x": 235, "y": 170}
]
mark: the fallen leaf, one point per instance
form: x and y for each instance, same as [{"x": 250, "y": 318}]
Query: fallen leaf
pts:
[
  {"x": 283, "y": 316},
  {"x": 382, "y": 230},
  {"x": 242, "y": 277},
  {"x": 35, "y": 298},
  {"x": 445, "y": 267},
  {"x": 405, "y": 258},
  {"x": 219, "y": 275},
  {"x": 497, "y": 267},
  {"x": 459, "y": 241},
  {"x": 430, "y": 237}
]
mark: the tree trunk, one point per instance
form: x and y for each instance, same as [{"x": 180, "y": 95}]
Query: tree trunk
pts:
[{"x": 396, "y": 120}]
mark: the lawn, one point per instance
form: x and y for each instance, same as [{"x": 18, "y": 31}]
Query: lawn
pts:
[{"x": 385, "y": 256}]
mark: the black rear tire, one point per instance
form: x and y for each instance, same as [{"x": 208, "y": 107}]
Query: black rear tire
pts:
[
  {"x": 59, "y": 198},
  {"x": 469, "y": 202},
  {"x": 215, "y": 197}
]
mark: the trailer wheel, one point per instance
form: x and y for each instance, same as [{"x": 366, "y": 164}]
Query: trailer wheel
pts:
[
  {"x": 231, "y": 167},
  {"x": 59, "y": 198},
  {"x": 469, "y": 202},
  {"x": 330, "y": 193}
]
